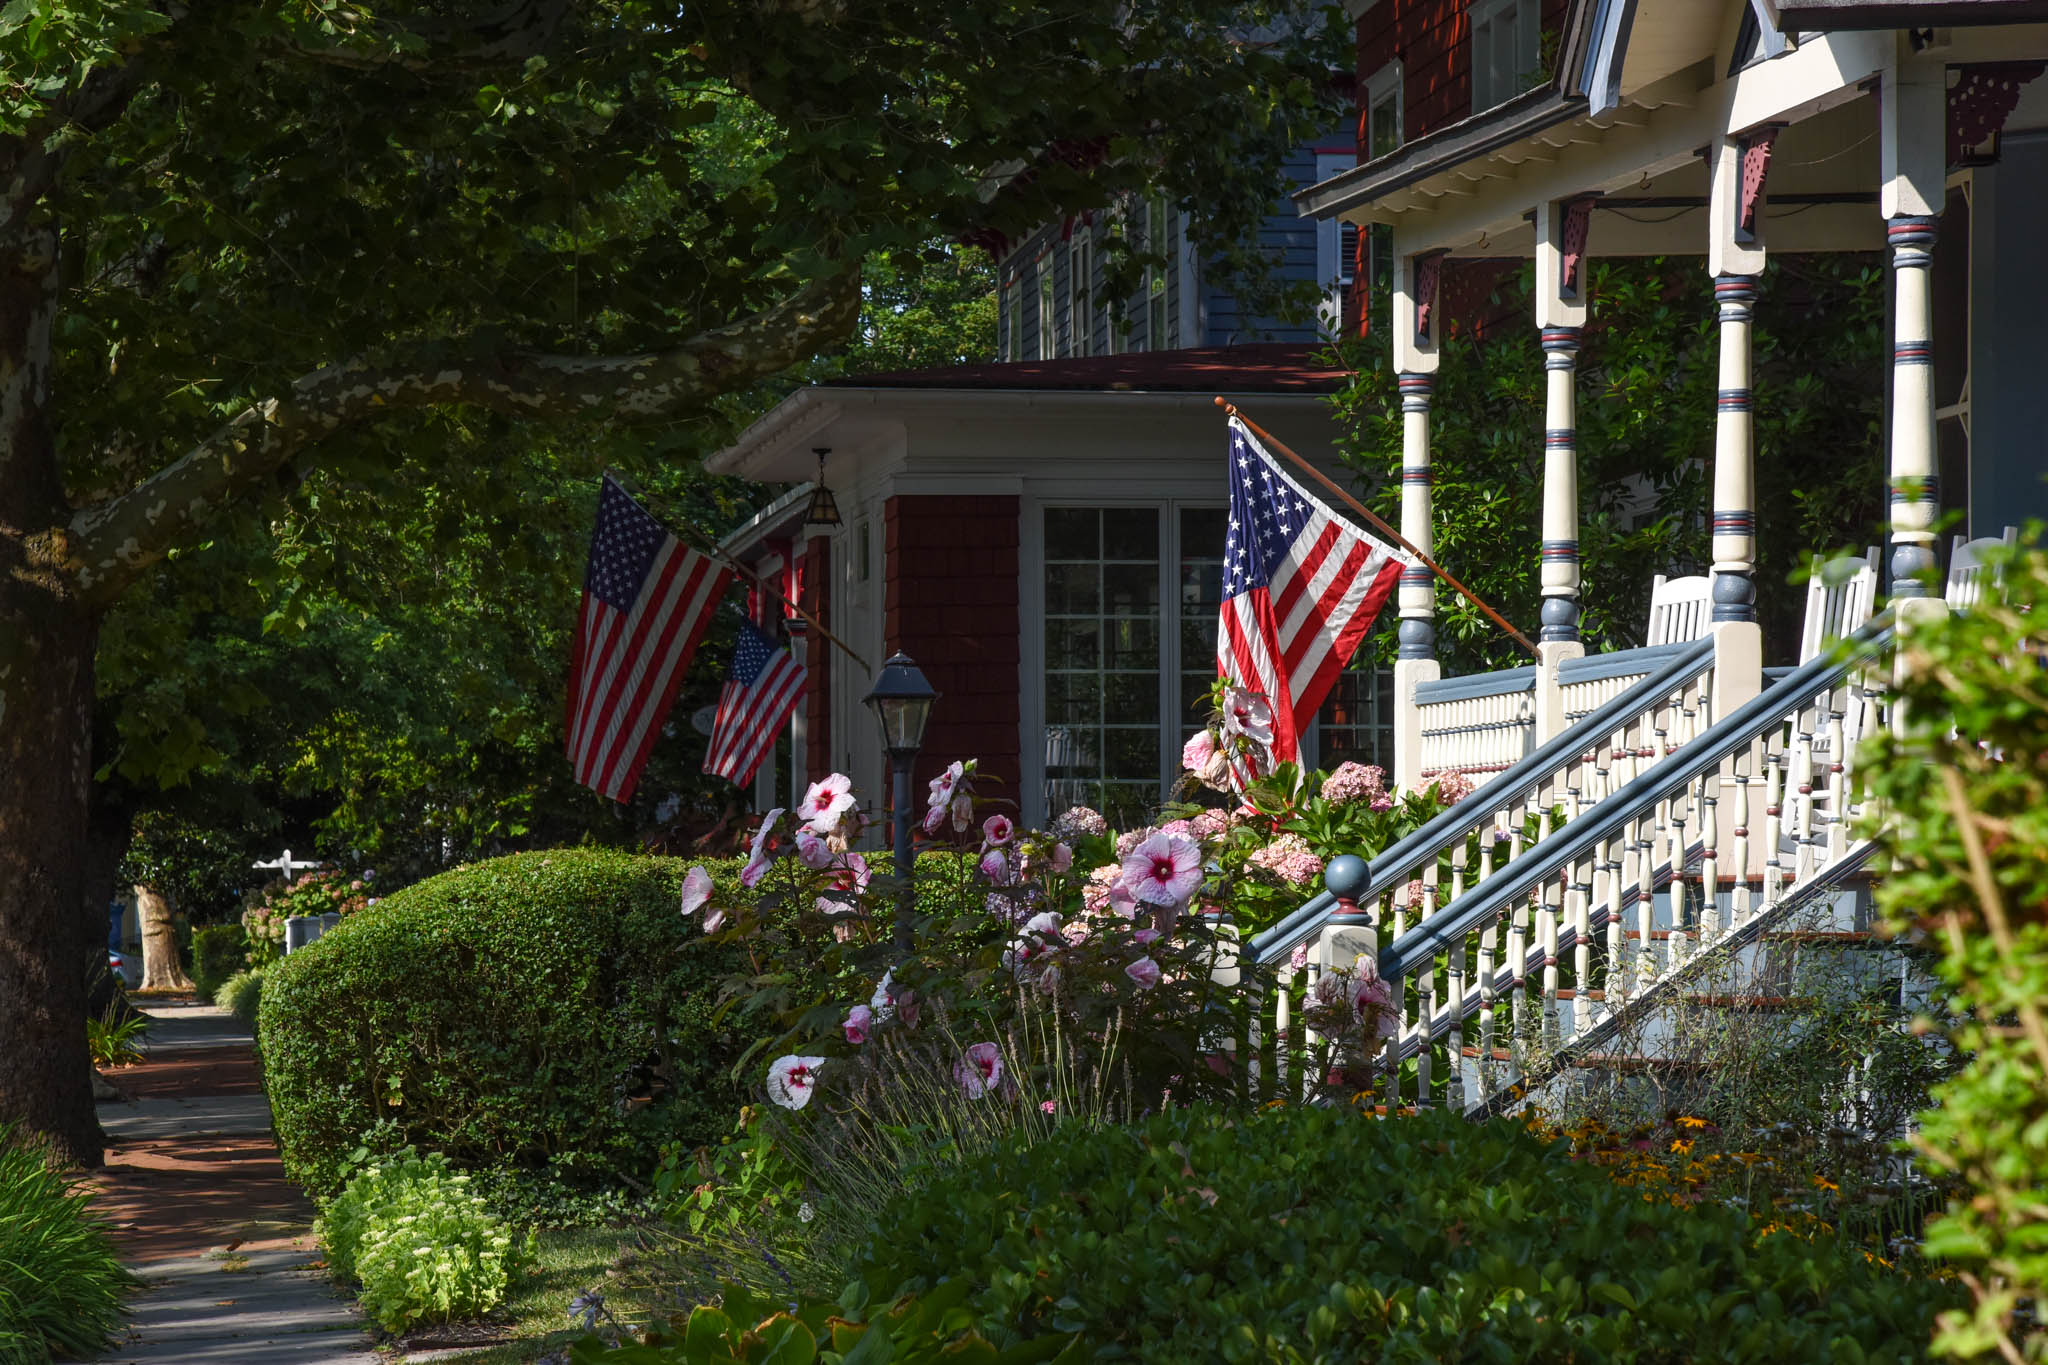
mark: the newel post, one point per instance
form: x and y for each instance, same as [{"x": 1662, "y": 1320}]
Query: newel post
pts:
[
  {"x": 1416, "y": 320},
  {"x": 1736, "y": 170},
  {"x": 1350, "y": 939}
]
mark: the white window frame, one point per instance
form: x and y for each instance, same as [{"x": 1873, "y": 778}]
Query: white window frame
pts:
[
  {"x": 1383, "y": 85},
  {"x": 1048, "y": 317},
  {"x": 1491, "y": 87},
  {"x": 1013, "y": 317},
  {"x": 1333, "y": 263},
  {"x": 1081, "y": 292}
]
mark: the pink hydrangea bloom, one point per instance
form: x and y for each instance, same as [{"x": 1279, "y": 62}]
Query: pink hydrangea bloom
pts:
[
  {"x": 828, "y": 799},
  {"x": 1164, "y": 870},
  {"x": 980, "y": 1070},
  {"x": 1289, "y": 858},
  {"x": 792, "y": 1079},
  {"x": 1180, "y": 827},
  {"x": 1131, "y": 838},
  {"x": 697, "y": 889},
  {"x": 1355, "y": 782},
  {"x": 1145, "y": 972},
  {"x": 997, "y": 830},
  {"x": 1453, "y": 787},
  {"x": 1095, "y": 895},
  {"x": 1079, "y": 821},
  {"x": 860, "y": 1022},
  {"x": 1416, "y": 891},
  {"x": 1209, "y": 824}
]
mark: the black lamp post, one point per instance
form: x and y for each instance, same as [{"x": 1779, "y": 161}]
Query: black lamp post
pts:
[{"x": 902, "y": 701}]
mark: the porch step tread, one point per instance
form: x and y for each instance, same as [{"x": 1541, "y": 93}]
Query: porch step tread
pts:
[
  {"x": 1573, "y": 993},
  {"x": 1498, "y": 1054}
]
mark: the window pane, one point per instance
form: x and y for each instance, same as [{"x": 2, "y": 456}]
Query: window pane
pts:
[
  {"x": 1102, "y": 622},
  {"x": 1073, "y": 533},
  {"x": 1131, "y": 533},
  {"x": 1384, "y": 131}
]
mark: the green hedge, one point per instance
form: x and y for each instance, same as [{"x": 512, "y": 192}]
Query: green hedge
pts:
[
  {"x": 546, "y": 1008},
  {"x": 1302, "y": 1235},
  {"x": 218, "y": 952}
]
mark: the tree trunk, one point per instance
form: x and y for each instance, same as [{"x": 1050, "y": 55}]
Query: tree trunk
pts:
[
  {"x": 46, "y": 694},
  {"x": 47, "y": 637},
  {"x": 161, "y": 970}
]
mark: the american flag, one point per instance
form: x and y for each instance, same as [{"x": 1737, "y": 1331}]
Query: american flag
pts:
[
  {"x": 1301, "y": 587},
  {"x": 646, "y": 600},
  {"x": 762, "y": 687}
]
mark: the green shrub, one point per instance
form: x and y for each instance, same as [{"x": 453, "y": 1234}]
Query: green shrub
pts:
[
  {"x": 218, "y": 952},
  {"x": 547, "y": 1008},
  {"x": 112, "y": 1039},
  {"x": 61, "y": 1285},
  {"x": 240, "y": 994},
  {"x": 1319, "y": 1235},
  {"x": 420, "y": 1244}
]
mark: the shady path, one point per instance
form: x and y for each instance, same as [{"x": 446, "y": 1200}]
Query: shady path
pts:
[{"x": 203, "y": 1214}]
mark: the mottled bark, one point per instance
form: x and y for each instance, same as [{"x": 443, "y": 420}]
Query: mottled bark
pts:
[{"x": 161, "y": 970}]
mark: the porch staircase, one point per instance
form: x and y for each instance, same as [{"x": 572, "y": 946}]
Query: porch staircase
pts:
[{"x": 1650, "y": 857}]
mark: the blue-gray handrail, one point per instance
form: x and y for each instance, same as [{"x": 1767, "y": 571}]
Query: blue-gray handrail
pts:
[
  {"x": 1397, "y": 864},
  {"x": 1739, "y": 727}
]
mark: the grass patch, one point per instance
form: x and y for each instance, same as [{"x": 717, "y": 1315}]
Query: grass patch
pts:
[{"x": 536, "y": 1309}]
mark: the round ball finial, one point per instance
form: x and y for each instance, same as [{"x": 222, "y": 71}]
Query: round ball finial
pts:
[{"x": 1347, "y": 876}]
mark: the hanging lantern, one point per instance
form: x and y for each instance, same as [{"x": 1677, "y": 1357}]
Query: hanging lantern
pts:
[{"x": 823, "y": 511}]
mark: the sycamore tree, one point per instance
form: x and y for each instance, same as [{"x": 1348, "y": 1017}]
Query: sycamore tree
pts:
[{"x": 251, "y": 239}]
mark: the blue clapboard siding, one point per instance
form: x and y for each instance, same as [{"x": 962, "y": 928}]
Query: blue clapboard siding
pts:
[{"x": 1216, "y": 317}]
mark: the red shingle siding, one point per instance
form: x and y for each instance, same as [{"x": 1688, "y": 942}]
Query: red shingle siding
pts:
[
  {"x": 821, "y": 657},
  {"x": 1429, "y": 39},
  {"x": 951, "y": 604}
]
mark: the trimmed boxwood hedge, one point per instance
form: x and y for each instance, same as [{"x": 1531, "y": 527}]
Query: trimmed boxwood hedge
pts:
[
  {"x": 504, "y": 1013},
  {"x": 1319, "y": 1235}
]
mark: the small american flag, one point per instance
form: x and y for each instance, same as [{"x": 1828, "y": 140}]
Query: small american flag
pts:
[
  {"x": 646, "y": 600},
  {"x": 1301, "y": 587},
  {"x": 762, "y": 687}
]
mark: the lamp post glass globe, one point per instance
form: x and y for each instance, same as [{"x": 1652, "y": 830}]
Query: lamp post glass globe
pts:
[{"x": 902, "y": 701}]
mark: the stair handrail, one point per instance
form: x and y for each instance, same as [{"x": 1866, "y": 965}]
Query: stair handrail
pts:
[
  {"x": 1397, "y": 864},
  {"x": 1739, "y": 727}
]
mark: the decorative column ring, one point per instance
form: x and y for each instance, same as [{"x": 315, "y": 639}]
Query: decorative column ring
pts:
[
  {"x": 1734, "y": 518},
  {"x": 1417, "y": 598},
  {"x": 1559, "y": 557},
  {"x": 1914, "y": 495}
]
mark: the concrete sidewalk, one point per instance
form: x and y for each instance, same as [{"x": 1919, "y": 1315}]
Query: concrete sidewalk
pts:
[{"x": 199, "y": 1203}]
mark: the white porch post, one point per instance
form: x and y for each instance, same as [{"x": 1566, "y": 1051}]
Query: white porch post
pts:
[
  {"x": 1415, "y": 324},
  {"x": 1735, "y": 258},
  {"x": 1560, "y": 319},
  {"x": 799, "y": 719},
  {"x": 1912, "y": 105}
]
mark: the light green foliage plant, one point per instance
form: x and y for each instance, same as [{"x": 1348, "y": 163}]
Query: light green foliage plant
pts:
[
  {"x": 419, "y": 1243},
  {"x": 219, "y": 951},
  {"x": 239, "y": 994},
  {"x": 61, "y": 1283},
  {"x": 1324, "y": 1235},
  {"x": 112, "y": 1037},
  {"x": 1962, "y": 802}
]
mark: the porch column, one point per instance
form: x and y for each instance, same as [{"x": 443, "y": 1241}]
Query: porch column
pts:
[
  {"x": 1560, "y": 320},
  {"x": 1736, "y": 169},
  {"x": 1415, "y": 322},
  {"x": 1913, "y": 154}
]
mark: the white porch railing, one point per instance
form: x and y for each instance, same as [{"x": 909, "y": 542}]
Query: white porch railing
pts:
[
  {"x": 1481, "y": 724},
  {"x": 1517, "y": 943}
]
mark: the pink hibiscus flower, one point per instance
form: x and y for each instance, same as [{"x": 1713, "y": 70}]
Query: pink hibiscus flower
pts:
[
  {"x": 997, "y": 831},
  {"x": 757, "y": 856},
  {"x": 812, "y": 851},
  {"x": 860, "y": 1021},
  {"x": 1145, "y": 972},
  {"x": 1247, "y": 713},
  {"x": 697, "y": 889},
  {"x": 792, "y": 1079},
  {"x": 825, "y": 802},
  {"x": 1164, "y": 870},
  {"x": 1196, "y": 753},
  {"x": 980, "y": 1070}
]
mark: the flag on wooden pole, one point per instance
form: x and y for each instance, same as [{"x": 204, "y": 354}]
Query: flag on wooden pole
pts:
[
  {"x": 762, "y": 686},
  {"x": 1301, "y": 586},
  {"x": 647, "y": 598}
]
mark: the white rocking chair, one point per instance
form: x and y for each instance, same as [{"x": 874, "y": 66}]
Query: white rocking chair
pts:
[
  {"x": 1840, "y": 597},
  {"x": 1966, "y": 568},
  {"x": 1681, "y": 609}
]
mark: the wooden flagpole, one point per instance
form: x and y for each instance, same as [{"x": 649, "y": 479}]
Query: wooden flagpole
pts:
[{"x": 1355, "y": 505}]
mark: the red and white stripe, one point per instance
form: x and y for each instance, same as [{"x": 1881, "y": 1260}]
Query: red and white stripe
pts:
[
  {"x": 628, "y": 664},
  {"x": 750, "y": 719}
]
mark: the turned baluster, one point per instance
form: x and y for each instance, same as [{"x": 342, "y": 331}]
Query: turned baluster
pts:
[
  {"x": 1739, "y": 899},
  {"x": 1774, "y": 821},
  {"x": 1838, "y": 784},
  {"x": 1801, "y": 782},
  {"x": 1578, "y": 904}
]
